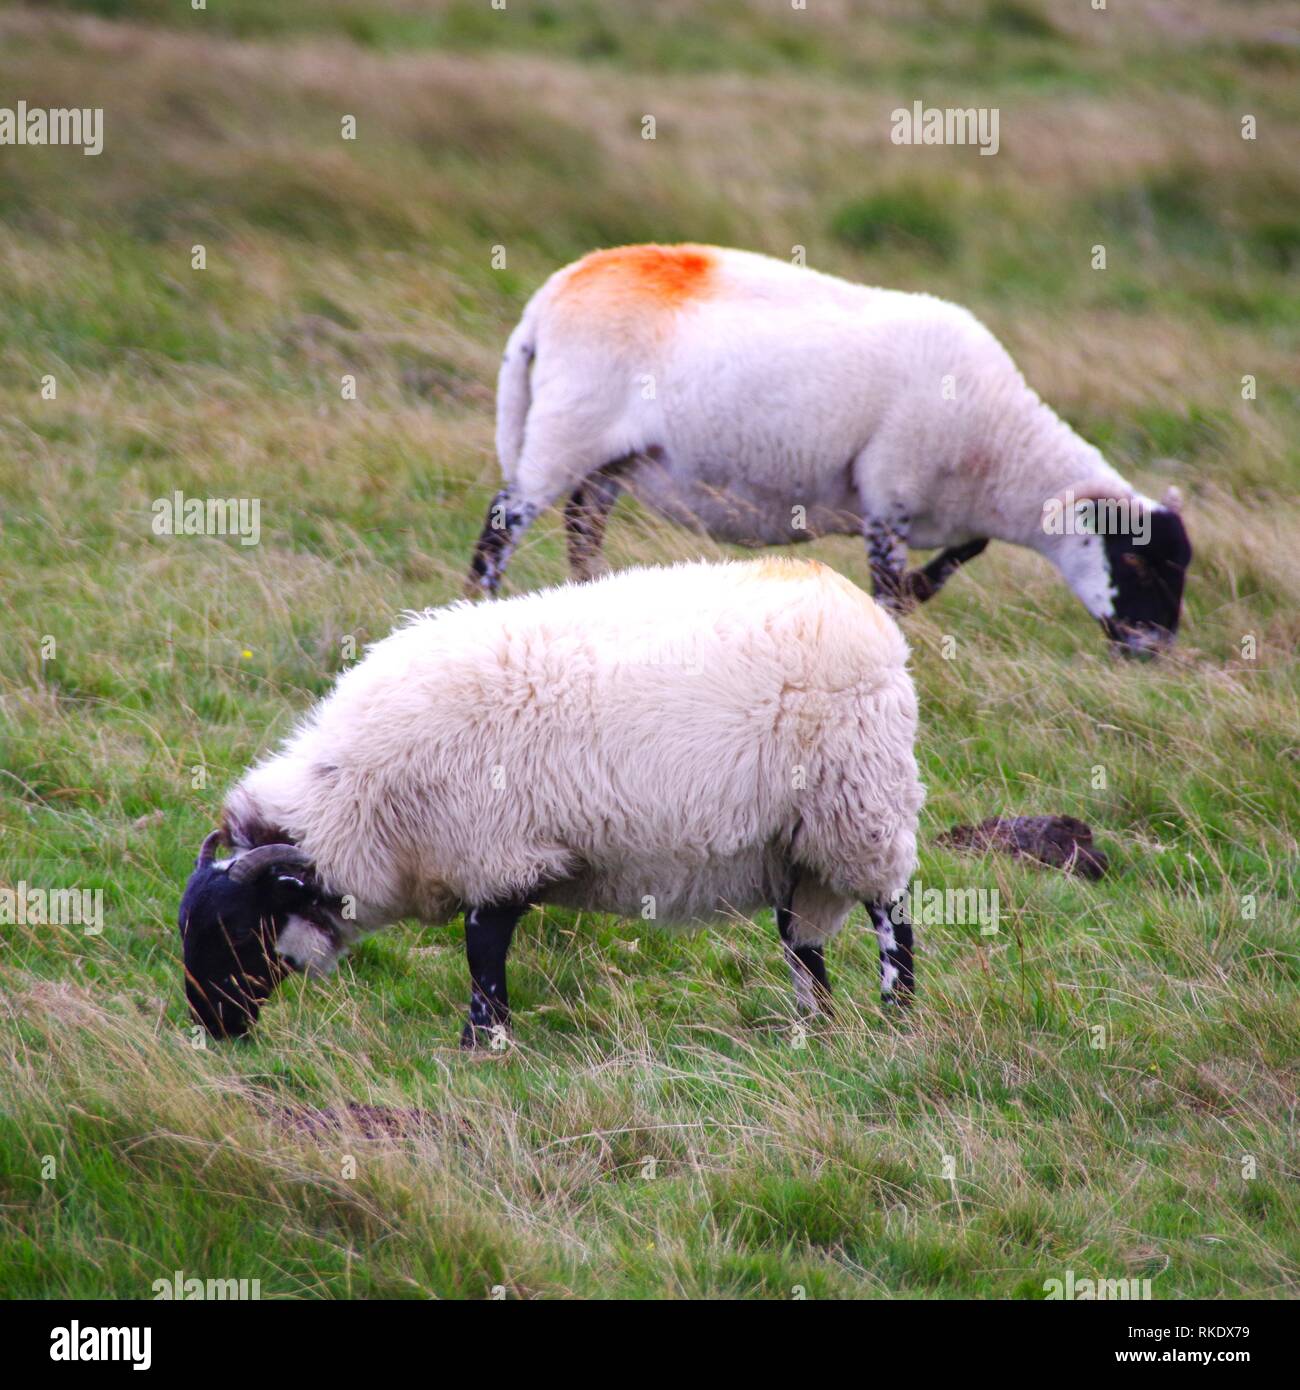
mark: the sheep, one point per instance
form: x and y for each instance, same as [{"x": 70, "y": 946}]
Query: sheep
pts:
[
  {"x": 677, "y": 744},
  {"x": 767, "y": 403}
]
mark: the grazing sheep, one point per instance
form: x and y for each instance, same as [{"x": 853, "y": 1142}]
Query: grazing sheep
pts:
[
  {"x": 767, "y": 403},
  {"x": 676, "y": 744}
]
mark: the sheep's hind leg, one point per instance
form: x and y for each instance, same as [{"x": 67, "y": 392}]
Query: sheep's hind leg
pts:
[
  {"x": 585, "y": 515},
  {"x": 508, "y": 518},
  {"x": 894, "y": 935},
  {"x": 812, "y": 988},
  {"x": 487, "y": 943}
]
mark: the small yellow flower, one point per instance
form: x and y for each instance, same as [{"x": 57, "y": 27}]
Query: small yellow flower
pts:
[{"x": 246, "y": 654}]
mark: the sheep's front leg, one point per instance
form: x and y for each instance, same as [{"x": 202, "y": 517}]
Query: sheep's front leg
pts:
[
  {"x": 925, "y": 582},
  {"x": 894, "y": 935},
  {"x": 508, "y": 518},
  {"x": 487, "y": 943},
  {"x": 887, "y": 556},
  {"x": 812, "y": 988}
]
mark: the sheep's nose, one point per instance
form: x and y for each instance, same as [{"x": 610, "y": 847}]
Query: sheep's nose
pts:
[
  {"x": 222, "y": 1019},
  {"x": 203, "y": 1013},
  {"x": 1137, "y": 643}
]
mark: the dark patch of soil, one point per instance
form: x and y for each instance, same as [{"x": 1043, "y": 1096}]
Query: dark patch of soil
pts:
[{"x": 1060, "y": 842}]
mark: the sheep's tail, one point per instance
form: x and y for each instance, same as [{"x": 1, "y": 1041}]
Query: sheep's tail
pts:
[{"x": 514, "y": 391}]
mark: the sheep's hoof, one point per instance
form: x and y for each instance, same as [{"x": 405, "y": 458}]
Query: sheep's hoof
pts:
[
  {"x": 480, "y": 1037},
  {"x": 896, "y": 1005},
  {"x": 478, "y": 586},
  {"x": 896, "y": 603}
]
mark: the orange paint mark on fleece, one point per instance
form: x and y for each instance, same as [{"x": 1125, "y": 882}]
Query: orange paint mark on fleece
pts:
[
  {"x": 787, "y": 567},
  {"x": 645, "y": 277}
]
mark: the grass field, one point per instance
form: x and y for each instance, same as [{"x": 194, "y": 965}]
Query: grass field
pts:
[{"x": 994, "y": 1141}]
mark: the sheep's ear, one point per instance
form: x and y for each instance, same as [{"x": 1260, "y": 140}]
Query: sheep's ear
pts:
[{"x": 1173, "y": 499}]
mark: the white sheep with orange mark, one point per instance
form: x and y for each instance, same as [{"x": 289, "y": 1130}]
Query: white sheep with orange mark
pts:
[{"x": 767, "y": 403}]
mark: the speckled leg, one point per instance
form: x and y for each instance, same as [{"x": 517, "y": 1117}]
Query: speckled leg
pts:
[
  {"x": 894, "y": 935},
  {"x": 585, "y": 515},
  {"x": 812, "y": 988},
  {"x": 507, "y": 520},
  {"x": 887, "y": 556}
]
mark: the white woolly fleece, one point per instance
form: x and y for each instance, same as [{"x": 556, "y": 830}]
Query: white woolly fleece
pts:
[{"x": 664, "y": 743}]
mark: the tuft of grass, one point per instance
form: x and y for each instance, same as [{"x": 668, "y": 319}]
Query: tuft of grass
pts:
[
  {"x": 1017, "y": 17},
  {"x": 907, "y": 219}
]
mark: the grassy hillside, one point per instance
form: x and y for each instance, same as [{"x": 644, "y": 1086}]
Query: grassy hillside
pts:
[{"x": 781, "y": 1161}]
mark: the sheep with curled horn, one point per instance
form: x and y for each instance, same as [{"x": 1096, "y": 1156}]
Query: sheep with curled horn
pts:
[
  {"x": 678, "y": 745},
  {"x": 238, "y": 920}
]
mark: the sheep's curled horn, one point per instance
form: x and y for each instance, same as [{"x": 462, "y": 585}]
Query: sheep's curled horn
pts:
[
  {"x": 257, "y": 861},
  {"x": 208, "y": 850}
]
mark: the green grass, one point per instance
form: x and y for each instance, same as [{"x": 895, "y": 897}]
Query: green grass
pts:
[
  {"x": 659, "y": 1127},
  {"x": 907, "y": 218}
]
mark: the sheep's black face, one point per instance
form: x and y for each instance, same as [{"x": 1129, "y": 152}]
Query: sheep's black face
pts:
[
  {"x": 1148, "y": 580},
  {"x": 229, "y": 925}
]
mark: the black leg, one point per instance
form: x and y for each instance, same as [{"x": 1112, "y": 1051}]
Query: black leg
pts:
[
  {"x": 925, "y": 582},
  {"x": 812, "y": 988},
  {"x": 585, "y": 515},
  {"x": 507, "y": 519},
  {"x": 487, "y": 942},
  {"x": 894, "y": 934}
]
